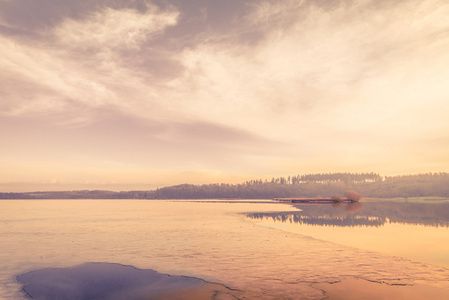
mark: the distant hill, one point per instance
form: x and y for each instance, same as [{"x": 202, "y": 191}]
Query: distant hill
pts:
[{"x": 311, "y": 185}]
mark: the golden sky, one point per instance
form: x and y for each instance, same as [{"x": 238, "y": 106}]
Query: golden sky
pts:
[{"x": 138, "y": 94}]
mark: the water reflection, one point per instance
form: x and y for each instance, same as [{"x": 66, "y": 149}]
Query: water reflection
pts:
[{"x": 373, "y": 214}]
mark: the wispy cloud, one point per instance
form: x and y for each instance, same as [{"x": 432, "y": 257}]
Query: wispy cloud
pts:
[
  {"x": 80, "y": 60},
  {"x": 112, "y": 29},
  {"x": 230, "y": 79}
]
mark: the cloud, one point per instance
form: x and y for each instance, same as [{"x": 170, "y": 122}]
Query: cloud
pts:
[
  {"x": 317, "y": 61},
  {"x": 123, "y": 147},
  {"x": 311, "y": 58},
  {"x": 37, "y": 79},
  {"x": 272, "y": 85},
  {"x": 81, "y": 60},
  {"x": 112, "y": 29}
]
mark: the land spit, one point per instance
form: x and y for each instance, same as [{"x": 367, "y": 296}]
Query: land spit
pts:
[{"x": 313, "y": 200}]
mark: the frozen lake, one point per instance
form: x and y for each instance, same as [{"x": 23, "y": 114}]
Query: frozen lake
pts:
[{"x": 244, "y": 245}]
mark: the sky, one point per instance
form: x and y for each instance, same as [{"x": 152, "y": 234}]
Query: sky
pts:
[{"x": 121, "y": 95}]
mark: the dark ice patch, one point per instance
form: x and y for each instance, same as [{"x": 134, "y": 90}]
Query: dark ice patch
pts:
[{"x": 103, "y": 281}]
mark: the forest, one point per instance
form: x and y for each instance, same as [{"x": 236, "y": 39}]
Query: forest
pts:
[{"x": 370, "y": 185}]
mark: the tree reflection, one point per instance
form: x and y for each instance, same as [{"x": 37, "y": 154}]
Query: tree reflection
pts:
[
  {"x": 367, "y": 214},
  {"x": 353, "y": 207}
]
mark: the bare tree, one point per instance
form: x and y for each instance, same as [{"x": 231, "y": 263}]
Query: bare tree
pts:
[{"x": 352, "y": 195}]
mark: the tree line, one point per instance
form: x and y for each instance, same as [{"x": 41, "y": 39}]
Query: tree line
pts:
[{"x": 310, "y": 185}]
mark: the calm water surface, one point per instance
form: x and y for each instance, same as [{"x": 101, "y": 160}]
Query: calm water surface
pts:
[
  {"x": 418, "y": 231},
  {"x": 217, "y": 241}
]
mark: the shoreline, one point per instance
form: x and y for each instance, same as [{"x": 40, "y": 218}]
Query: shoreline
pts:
[{"x": 313, "y": 200}]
